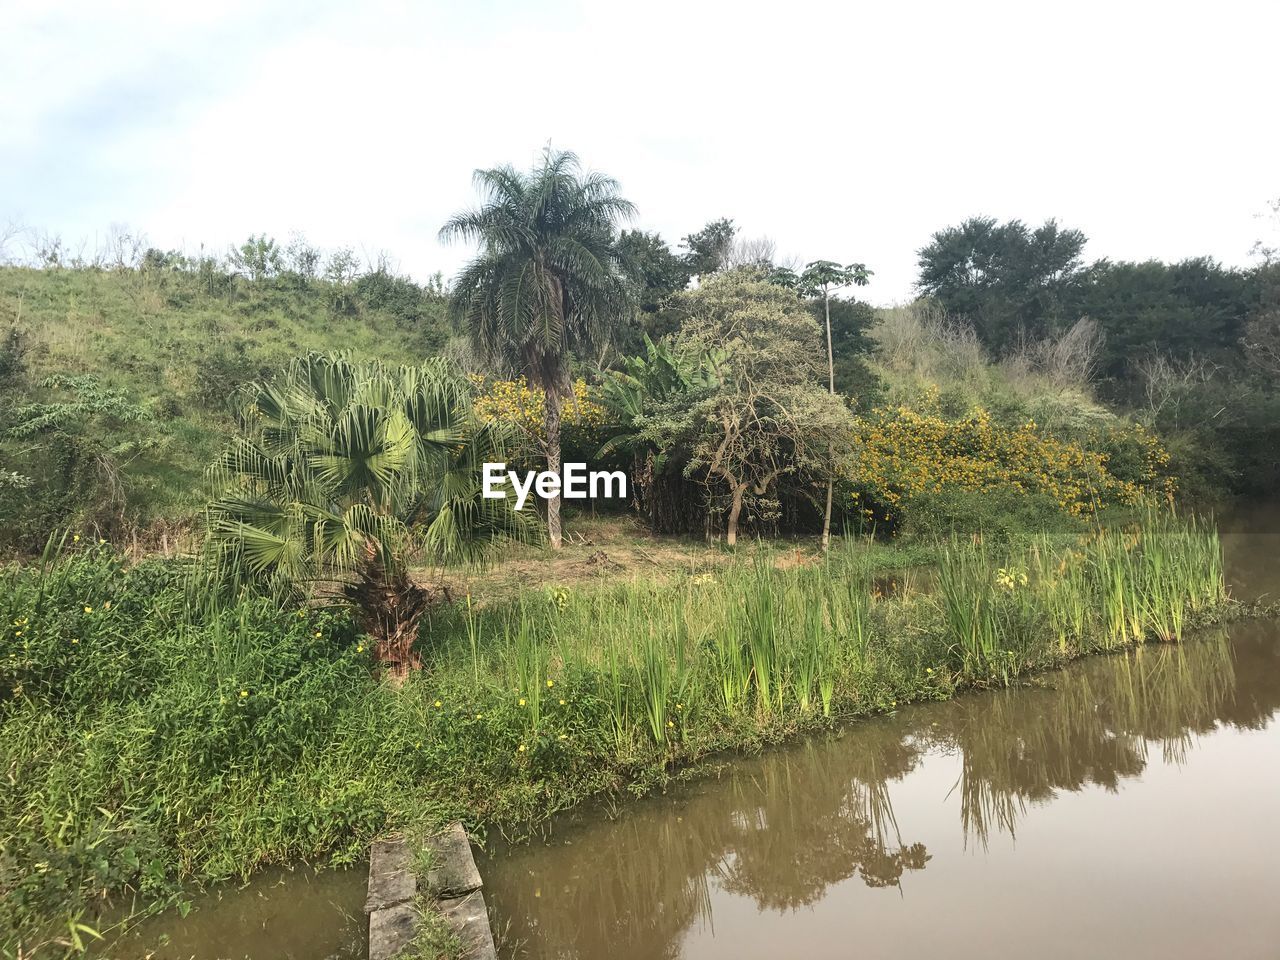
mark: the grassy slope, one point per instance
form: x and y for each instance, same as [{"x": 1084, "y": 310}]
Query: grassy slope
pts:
[{"x": 178, "y": 350}]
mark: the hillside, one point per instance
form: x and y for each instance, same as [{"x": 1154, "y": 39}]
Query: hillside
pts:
[{"x": 143, "y": 363}]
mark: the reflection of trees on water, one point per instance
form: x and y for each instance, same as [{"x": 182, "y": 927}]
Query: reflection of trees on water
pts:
[
  {"x": 781, "y": 830},
  {"x": 784, "y": 828},
  {"x": 1099, "y": 721},
  {"x": 818, "y": 816}
]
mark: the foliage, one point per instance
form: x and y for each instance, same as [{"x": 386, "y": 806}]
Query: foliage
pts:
[
  {"x": 343, "y": 472},
  {"x": 654, "y": 270},
  {"x": 173, "y": 336},
  {"x": 548, "y": 281},
  {"x": 707, "y": 250},
  {"x": 766, "y": 416},
  {"x": 518, "y": 404},
  {"x": 901, "y": 453},
  {"x": 77, "y": 443},
  {"x": 1006, "y": 279},
  {"x": 151, "y": 741}
]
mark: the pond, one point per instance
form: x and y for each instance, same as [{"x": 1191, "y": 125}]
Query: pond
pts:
[{"x": 1125, "y": 806}]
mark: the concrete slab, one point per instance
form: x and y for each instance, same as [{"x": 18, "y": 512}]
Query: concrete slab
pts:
[
  {"x": 453, "y": 870},
  {"x": 468, "y": 917}
]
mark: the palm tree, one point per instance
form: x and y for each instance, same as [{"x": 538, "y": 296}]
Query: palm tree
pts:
[
  {"x": 547, "y": 281},
  {"x": 343, "y": 473}
]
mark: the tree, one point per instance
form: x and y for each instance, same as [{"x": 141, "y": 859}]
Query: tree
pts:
[
  {"x": 765, "y": 415},
  {"x": 343, "y": 473},
  {"x": 548, "y": 281},
  {"x": 1007, "y": 280},
  {"x": 708, "y": 250},
  {"x": 822, "y": 276},
  {"x": 653, "y": 269}
]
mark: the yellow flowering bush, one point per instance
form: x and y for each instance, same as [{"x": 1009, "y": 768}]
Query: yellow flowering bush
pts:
[
  {"x": 902, "y": 452},
  {"x": 520, "y": 403}
]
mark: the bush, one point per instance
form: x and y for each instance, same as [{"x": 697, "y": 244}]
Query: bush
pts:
[{"x": 998, "y": 515}]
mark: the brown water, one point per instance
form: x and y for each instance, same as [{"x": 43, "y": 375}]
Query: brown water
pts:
[{"x": 1127, "y": 807}]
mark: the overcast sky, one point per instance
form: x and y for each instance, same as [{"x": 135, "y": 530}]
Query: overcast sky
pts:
[{"x": 843, "y": 131}]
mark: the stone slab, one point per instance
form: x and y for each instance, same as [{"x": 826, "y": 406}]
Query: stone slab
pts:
[
  {"x": 391, "y": 930},
  {"x": 391, "y": 879},
  {"x": 468, "y": 917},
  {"x": 453, "y": 870}
]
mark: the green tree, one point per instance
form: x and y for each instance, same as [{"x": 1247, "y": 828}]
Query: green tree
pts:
[
  {"x": 548, "y": 280},
  {"x": 823, "y": 276},
  {"x": 709, "y": 248},
  {"x": 1006, "y": 279},
  {"x": 653, "y": 269},
  {"x": 343, "y": 473},
  {"x": 765, "y": 416}
]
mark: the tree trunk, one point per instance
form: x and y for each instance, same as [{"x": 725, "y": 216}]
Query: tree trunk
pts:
[
  {"x": 390, "y": 609},
  {"x": 735, "y": 509},
  {"x": 831, "y": 381},
  {"x": 553, "y": 464}
]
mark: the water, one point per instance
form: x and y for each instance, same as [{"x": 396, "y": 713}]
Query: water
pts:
[{"x": 1125, "y": 807}]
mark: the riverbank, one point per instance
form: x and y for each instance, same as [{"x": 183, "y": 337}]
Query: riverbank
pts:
[{"x": 154, "y": 744}]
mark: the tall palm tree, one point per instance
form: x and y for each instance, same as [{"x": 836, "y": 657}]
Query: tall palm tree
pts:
[
  {"x": 547, "y": 281},
  {"x": 343, "y": 473}
]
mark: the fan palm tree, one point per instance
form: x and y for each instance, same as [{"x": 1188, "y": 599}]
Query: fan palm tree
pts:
[
  {"x": 344, "y": 473},
  {"x": 547, "y": 281}
]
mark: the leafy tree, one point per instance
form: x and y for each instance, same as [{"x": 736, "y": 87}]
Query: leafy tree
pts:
[
  {"x": 548, "y": 280},
  {"x": 1008, "y": 280},
  {"x": 345, "y": 472},
  {"x": 822, "y": 276},
  {"x": 765, "y": 416},
  {"x": 259, "y": 257},
  {"x": 654, "y": 270},
  {"x": 709, "y": 248},
  {"x": 1193, "y": 308}
]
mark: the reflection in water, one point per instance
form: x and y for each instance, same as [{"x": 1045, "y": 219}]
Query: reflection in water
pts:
[{"x": 785, "y": 830}]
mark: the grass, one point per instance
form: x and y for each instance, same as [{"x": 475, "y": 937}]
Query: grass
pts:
[
  {"x": 177, "y": 349},
  {"x": 153, "y": 740}
]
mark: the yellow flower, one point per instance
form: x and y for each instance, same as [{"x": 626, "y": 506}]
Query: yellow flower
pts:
[
  {"x": 76, "y": 538},
  {"x": 550, "y": 684},
  {"x": 359, "y": 648},
  {"x": 479, "y": 716},
  {"x": 439, "y": 703},
  {"x": 317, "y": 634},
  {"x": 243, "y": 694},
  {"x": 88, "y": 609},
  {"x": 562, "y": 703},
  {"x": 522, "y": 701},
  {"x": 520, "y": 749},
  {"x": 75, "y": 639}
]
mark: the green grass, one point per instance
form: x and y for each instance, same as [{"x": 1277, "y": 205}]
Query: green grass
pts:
[
  {"x": 176, "y": 347},
  {"x": 164, "y": 741}
]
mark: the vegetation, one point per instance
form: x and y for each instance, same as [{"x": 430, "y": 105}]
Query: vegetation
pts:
[
  {"x": 1024, "y": 428},
  {"x": 342, "y": 474},
  {"x": 153, "y": 740},
  {"x": 548, "y": 280}
]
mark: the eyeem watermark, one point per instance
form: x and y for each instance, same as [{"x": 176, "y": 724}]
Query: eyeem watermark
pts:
[{"x": 576, "y": 483}]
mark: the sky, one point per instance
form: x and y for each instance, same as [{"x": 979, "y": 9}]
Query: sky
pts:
[{"x": 842, "y": 131}]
